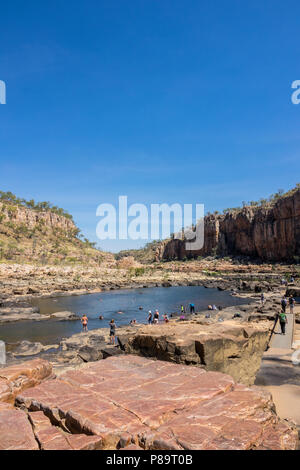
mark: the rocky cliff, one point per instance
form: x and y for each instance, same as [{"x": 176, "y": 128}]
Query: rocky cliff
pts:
[
  {"x": 270, "y": 232},
  {"x": 38, "y": 235},
  {"x": 18, "y": 215}
]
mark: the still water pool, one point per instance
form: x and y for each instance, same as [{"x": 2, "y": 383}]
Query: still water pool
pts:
[{"x": 166, "y": 300}]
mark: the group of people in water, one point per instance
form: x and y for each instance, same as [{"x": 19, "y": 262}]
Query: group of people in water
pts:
[{"x": 154, "y": 318}]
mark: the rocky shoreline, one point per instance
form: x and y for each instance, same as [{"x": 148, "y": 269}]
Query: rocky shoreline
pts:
[{"x": 19, "y": 285}]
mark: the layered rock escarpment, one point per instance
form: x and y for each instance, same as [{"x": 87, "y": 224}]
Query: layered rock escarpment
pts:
[
  {"x": 43, "y": 236},
  {"x": 234, "y": 349},
  {"x": 270, "y": 233},
  {"x": 130, "y": 402},
  {"x": 21, "y": 215}
]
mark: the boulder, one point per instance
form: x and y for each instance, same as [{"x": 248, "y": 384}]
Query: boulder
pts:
[
  {"x": 228, "y": 347},
  {"x": 64, "y": 316},
  {"x": 294, "y": 291},
  {"x": 26, "y": 348},
  {"x": 89, "y": 353},
  {"x": 18, "y": 377}
]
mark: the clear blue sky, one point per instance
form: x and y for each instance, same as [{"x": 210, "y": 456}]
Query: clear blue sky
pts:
[{"x": 161, "y": 100}]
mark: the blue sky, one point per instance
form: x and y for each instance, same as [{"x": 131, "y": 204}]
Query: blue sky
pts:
[{"x": 161, "y": 100}]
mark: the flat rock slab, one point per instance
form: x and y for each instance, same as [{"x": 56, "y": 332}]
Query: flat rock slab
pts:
[
  {"x": 66, "y": 315},
  {"x": 133, "y": 401},
  {"x": 14, "y": 314},
  {"x": 18, "y": 377},
  {"x": 16, "y": 431},
  {"x": 27, "y": 348}
]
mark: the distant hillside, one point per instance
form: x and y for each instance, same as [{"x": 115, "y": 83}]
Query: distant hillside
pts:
[
  {"x": 43, "y": 234},
  {"x": 146, "y": 255}
]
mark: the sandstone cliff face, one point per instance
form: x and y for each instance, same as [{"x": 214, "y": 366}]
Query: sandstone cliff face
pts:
[
  {"x": 271, "y": 233},
  {"x": 43, "y": 237},
  {"x": 22, "y": 215}
]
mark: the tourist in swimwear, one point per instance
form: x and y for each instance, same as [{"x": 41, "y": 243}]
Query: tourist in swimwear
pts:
[
  {"x": 84, "y": 321},
  {"x": 149, "y": 317}
]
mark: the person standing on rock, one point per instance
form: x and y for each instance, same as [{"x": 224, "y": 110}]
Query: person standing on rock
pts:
[
  {"x": 156, "y": 317},
  {"x": 84, "y": 321},
  {"x": 192, "y": 308},
  {"x": 112, "y": 333},
  {"x": 291, "y": 304},
  {"x": 283, "y": 321},
  {"x": 149, "y": 317},
  {"x": 262, "y": 299}
]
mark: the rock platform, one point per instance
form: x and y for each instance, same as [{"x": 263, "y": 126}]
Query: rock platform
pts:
[{"x": 138, "y": 403}]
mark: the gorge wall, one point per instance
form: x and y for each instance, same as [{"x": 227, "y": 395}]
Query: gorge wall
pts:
[
  {"x": 20, "y": 215},
  {"x": 270, "y": 233},
  {"x": 43, "y": 236}
]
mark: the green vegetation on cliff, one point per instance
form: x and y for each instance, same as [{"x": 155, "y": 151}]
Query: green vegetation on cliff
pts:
[
  {"x": 38, "y": 232},
  {"x": 10, "y": 198}
]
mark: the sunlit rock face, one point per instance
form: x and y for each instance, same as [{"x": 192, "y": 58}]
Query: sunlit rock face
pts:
[
  {"x": 130, "y": 401},
  {"x": 270, "y": 233},
  {"x": 18, "y": 377},
  {"x": 223, "y": 347}
]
